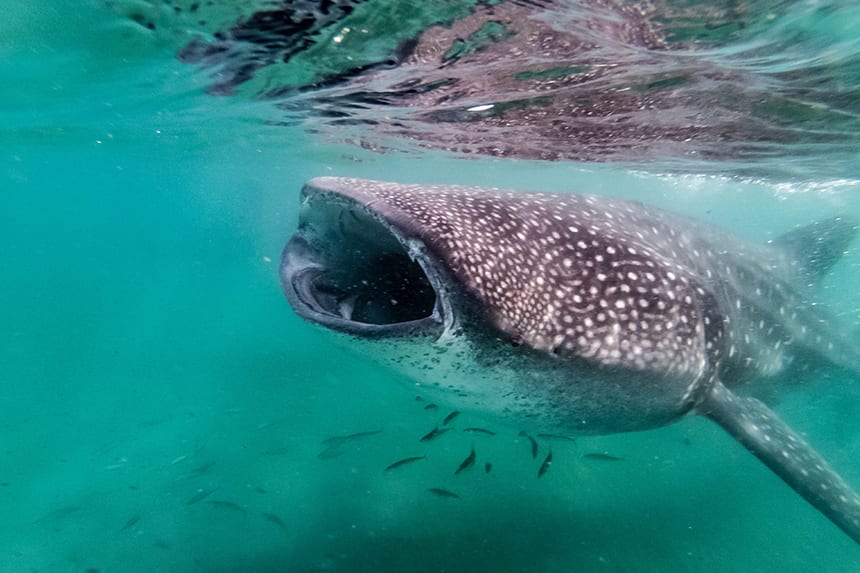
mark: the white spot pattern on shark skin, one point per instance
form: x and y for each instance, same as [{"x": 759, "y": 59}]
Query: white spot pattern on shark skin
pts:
[
  {"x": 507, "y": 230},
  {"x": 597, "y": 253}
]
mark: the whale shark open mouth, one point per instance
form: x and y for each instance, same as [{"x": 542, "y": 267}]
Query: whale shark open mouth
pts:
[{"x": 350, "y": 269}]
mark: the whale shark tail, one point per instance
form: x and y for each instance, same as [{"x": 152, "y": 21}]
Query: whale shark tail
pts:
[{"x": 786, "y": 453}]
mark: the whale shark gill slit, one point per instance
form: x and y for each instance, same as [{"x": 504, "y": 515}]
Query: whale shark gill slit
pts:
[{"x": 575, "y": 314}]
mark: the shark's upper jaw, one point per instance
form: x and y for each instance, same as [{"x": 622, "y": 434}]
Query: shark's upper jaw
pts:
[{"x": 350, "y": 269}]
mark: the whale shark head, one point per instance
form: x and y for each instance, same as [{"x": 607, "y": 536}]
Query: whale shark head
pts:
[{"x": 570, "y": 311}]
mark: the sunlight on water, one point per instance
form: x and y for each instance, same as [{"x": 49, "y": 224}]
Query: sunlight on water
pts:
[{"x": 163, "y": 409}]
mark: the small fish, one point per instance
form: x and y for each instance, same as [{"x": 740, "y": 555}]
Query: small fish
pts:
[
  {"x": 480, "y": 431},
  {"x": 442, "y": 492},
  {"x": 203, "y": 468},
  {"x": 467, "y": 463},
  {"x": 199, "y": 496},
  {"x": 419, "y": 399},
  {"x": 430, "y": 407},
  {"x": 340, "y": 440},
  {"x": 330, "y": 452},
  {"x": 403, "y": 462},
  {"x": 488, "y": 467},
  {"x": 433, "y": 434},
  {"x": 532, "y": 441},
  {"x": 544, "y": 467},
  {"x": 60, "y": 513},
  {"x": 258, "y": 489},
  {"x": 176, "y": 460},
  {"x": 131, "y": 522},
  {"x": 275, "y": 519},
  {"x": 559, "y": 437},
  {"x": 450, "y": 417},
  {"x": 226, "y": 505},
  {"x": 602, "y": 457}
]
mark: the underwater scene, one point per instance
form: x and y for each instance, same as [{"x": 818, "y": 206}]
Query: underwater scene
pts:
[{"x": 434, "y": 287}]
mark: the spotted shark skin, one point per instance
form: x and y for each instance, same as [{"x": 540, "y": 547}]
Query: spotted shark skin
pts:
[{"x": 581, "y": 313}]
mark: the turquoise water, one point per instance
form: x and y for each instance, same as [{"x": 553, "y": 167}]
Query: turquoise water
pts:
[{"x": 149, "y": 358}]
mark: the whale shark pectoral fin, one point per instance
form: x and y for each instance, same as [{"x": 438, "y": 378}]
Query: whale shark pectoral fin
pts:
[{"x": 786, "y": 453}]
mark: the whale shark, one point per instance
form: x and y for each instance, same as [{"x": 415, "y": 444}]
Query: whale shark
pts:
[{"x": 577, "y": 313}]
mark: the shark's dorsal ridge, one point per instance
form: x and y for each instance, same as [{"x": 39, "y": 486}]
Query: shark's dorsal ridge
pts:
[
  {"x": 786, "y": 453},
  {"x": 816, "y": 247}
]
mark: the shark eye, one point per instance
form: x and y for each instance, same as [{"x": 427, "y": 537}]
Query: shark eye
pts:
[{"x": 347, "y": 270}]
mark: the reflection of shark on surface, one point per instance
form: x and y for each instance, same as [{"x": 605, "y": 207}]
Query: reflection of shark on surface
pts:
[
  {"x": 575, "y": 313},
  {"x": 591, "y": 80}
]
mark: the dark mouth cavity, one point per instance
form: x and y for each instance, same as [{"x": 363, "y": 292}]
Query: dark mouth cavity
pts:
[
  {"x": 382, "y": 288},
  {"x": 345, "y": 269}
]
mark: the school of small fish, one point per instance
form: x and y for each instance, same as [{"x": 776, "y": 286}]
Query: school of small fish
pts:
[
  {"x": 471, "y": 460},
  {"x": 335, "y": 446}
]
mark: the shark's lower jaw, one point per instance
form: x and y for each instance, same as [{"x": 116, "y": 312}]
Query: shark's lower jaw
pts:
[{"x": 350, "y": 270}]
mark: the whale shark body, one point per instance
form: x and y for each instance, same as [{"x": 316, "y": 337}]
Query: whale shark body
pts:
[{"x": 574, "y": 312}]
